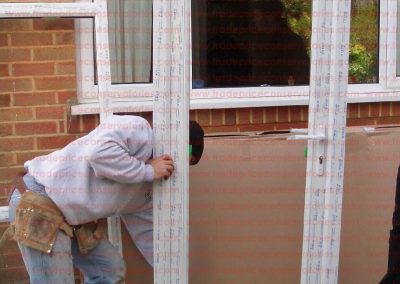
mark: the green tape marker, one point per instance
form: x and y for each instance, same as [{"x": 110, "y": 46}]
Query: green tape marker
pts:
[
  {"x": 190, "y": 150},
  {"x": 305, "y": 151}
]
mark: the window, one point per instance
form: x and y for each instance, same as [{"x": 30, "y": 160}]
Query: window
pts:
[
  {"x": 391, "y": 35},
  {"x": 229, "y": 58},
  {"x": 130, "y": 43},
  {"x": 250, "y": 44}
]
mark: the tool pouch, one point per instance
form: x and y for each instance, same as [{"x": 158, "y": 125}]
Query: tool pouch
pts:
[
  {"x": 90, "y": 234},
  {"x": 37, "y": 222}
]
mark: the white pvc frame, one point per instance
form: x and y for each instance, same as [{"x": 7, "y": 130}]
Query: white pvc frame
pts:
[
  {"x": 172, "y": 129},
  {"x": 390, "y": 31},
  {"x": 171, "y": 120},
  {"x": 327, "y": 136},
  {"x": 171, "y": 125},
  {"x": 87, "y": 89},
  {"x": 388, "y": 88}
]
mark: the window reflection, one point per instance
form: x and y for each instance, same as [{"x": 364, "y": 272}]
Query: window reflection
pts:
[
  {"x": 243, "y": 43},
  {"x": 278, "y": 55},
  {"x": 246, "y": 43}
]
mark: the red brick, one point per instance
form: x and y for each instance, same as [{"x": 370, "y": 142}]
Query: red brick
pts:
[
  {"x": 64, "y": 38},
  {"x": 66, "y": 68},
  {"x": 215, "y": 129},
  {"x": 54, "y": 53},
  {"x": 14, "y": 54},
  {"x": 31, "y": 39},
  {"x": 7, "y": 159},
  {"x": 295, "y": 113},
  {"x": 14, "y": 274},
  {"x": 22, "y": 157},
  {"x": 374, "y": 109},
  {"x": 15, "y": 85},
  {"x": 33, "y": 69},
  {"x": 364, "y": 110},
  {"x": 270, "y": 114},
  {"x": 16, "y": 114},
  {"x": 5, "y": 188},
  {"x": 304, "y": 112},
  {"x": 64, "y": 96},
  {"x": 396, "y": 108},
  {"x": 289, "y": 125},
  {"x": 11, "y": 247},
  {"x": 192, "y": 115},
  {"x": 8, "y": 173},
  {"x": 53, "y": 24},
  {"x": 4, "y": 70},
  {"x": 54, "y": 142},
  {"x": 217, "y": 116},
  {"x": 256, "y": 127},
  {"x": 56, "y": 112},
  {"x": 74, "y": 124},
  {"x": 243, "y": 115},
  {"x": 55, "y": 83},
  {"x": 361, "y": 121},
  {"x": 257, "y": 115},
  {"x": 12, "y": 260},
  {"x": 6, "y": 129},
  {"x": 3, "y": 40},
  {"x": 89, "y": 122},
  {"x": 385, "y": 108},
  {"x": 283, "y": 114},
  {"x": 9, "y": 25},
  {"x": 352, "y": 110},
  {"x": 29, "y": 128},
  {"x": 203, "y": 117},
  {"x": 33, "y": 99},
  {"x": 388, "y": 120},
  {"x": 15, "y": 144},
  {"x": 230, "y": 117},
  {"x": 5, "y": 100},
  {"x": 61, "y": 127}
]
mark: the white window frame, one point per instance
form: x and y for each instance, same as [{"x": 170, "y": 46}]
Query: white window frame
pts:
[
  {"x": 138, "y": 97},
  {"x": 391, "y": 20},
  {"x": 136, "y": 93},
  {"x": 171, "y": 117}
]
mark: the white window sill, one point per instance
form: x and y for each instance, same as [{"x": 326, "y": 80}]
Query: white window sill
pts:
[{"x": 357, "y": 94}]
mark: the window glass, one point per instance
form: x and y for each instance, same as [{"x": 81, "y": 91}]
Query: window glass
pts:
[
  {"x": 130, "y": 37},
  {"x": 397, "y": 40},
  {"x": 242, "y": 43},
  {"x": 364, "y": 41},
  {"x": 130, "y": 41}
]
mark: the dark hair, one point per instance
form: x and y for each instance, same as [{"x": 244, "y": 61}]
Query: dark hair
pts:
[{"x": 196, "y": 139}]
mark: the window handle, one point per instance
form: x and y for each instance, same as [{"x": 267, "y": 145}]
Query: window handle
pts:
[{"x": 321, "y": 143}]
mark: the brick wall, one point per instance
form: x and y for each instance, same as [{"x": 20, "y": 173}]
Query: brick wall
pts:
[{"x": 37, "y": 76}]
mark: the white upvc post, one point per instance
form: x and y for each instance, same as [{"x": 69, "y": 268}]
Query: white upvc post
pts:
[
  {"x": 325, "y": 163},
  {"x": 102, "y": 51},
  {"x": 171, "y": 119}
]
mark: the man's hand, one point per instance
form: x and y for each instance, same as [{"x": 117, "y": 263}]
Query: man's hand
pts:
[{"x": 163, "y": 167}]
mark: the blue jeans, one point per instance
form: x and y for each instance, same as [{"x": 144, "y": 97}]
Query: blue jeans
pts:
[{"x": 103, "y": 264}]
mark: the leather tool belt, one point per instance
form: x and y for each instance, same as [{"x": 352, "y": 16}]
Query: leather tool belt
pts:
[
  {"x": 90, "y": 234},
  {"x": 38, "y": 221}
]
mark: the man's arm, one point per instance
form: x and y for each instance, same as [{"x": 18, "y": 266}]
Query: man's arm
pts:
[{"x": 113, "y": 161}]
